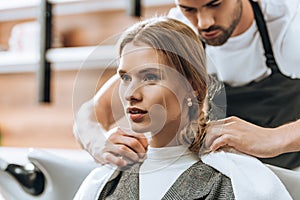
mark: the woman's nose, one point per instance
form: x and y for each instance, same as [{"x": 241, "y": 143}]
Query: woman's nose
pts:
[{"x": 134, "y": 92}]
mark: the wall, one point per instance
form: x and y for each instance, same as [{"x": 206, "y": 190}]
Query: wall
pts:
[
  {"x": 26, "y": 123},
  {"x": 85, "y": 28}
]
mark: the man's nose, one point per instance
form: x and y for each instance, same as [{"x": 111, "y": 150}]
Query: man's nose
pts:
[{"x": 205, "y": 20}]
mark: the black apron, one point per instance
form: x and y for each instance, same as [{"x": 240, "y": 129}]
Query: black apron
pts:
[{"x": 271, "y": 102}]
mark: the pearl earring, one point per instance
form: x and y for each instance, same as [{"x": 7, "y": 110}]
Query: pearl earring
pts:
[{"x": 189, "y": 102}]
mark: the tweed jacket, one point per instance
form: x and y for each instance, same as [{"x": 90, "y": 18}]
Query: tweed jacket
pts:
[{"x": 199, "y": 181}]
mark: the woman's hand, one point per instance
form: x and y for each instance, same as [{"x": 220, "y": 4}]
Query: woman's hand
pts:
[{"x": 122, "y": 148}]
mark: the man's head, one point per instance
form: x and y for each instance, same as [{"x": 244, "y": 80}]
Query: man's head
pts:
[{"x": 215, "y": 20}]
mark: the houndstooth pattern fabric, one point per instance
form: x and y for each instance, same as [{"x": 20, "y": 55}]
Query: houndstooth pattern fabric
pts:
[{"x": 199, "y": 181}]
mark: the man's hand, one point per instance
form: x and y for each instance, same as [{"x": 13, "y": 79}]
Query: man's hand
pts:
[
  {"x": 244, "y": 137},
  {"x": 122, "y": 148}
]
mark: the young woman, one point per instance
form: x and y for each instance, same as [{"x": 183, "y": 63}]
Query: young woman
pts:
[{"x": 163, "y": 88}]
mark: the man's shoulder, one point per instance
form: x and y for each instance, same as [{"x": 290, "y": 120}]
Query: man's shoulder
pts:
[{"x": 270, "y": 5}]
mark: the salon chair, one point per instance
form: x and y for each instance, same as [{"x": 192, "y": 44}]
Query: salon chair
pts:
[
  {"x": 290, "y": 178},
  {"x": 64, "y": 170}
]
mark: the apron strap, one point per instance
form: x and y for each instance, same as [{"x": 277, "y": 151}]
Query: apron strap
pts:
[
  {"x": 263, "y": 31},
  {"x": 203, "y": 44}
]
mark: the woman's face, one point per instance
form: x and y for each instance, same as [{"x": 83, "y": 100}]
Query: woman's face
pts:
[{"x": 153, "y": 94}]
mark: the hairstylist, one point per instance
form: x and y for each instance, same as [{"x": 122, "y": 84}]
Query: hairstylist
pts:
[{"x": 253, "y": 48}]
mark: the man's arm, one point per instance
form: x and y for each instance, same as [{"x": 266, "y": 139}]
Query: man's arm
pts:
[
  {"x": 106, "y": 97},
  {"x": 93, "y": 120},
  {"x": 290, "y": 134},
  {"x": 254, "y": 140}
]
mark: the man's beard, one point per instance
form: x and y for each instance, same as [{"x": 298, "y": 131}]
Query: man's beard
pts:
[{"x": 225, "y": 32}]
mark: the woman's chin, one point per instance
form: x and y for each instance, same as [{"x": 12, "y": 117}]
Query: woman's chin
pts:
[
  {"x": 140, "y": 128},
  {"x": 144, "y": 129}
]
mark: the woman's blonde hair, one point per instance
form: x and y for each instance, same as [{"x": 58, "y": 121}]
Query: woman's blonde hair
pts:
[{"x": 183, "y": 50}]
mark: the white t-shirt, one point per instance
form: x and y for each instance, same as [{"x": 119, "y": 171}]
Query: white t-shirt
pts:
[{"x": 244, "y": 54}]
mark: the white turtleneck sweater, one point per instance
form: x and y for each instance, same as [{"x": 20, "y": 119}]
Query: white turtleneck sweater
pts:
[{"x": 161, "y": 169}]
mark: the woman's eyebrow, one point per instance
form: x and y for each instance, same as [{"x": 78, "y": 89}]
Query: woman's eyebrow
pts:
[{"x": 150, "y": 70}]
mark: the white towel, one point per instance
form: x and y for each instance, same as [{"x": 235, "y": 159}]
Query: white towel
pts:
[
  {"x": 250, "y": 178},
  {"x": 94, "y": 183}
]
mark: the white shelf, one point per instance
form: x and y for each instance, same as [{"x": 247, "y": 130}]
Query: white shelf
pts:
[
  {"x": 72, "y": 58},
  {"x": 26, "y": 9},
  {"x": 62, "y": 58}
]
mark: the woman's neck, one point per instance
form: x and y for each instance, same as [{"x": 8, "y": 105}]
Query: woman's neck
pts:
[{"x": 167, "y": 136}]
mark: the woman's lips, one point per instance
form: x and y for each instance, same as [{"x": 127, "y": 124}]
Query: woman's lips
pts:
[
  {"x": 136, "y": 117},
  {"x": 136, "y": 114}
]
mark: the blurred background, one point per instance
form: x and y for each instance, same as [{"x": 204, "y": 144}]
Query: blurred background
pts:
[{"x": 42, "y": 47}]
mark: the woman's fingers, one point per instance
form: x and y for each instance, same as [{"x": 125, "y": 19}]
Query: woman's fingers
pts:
[
  {"x": 113, "y": 159},
  {"x": 137, "y": 142},
  {"x": 123, "y": 148}
]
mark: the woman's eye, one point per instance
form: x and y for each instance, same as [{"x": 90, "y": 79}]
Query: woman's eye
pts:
[
  {"x": 125, "y": 77},
  {"x": 151, "y": 77}
]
